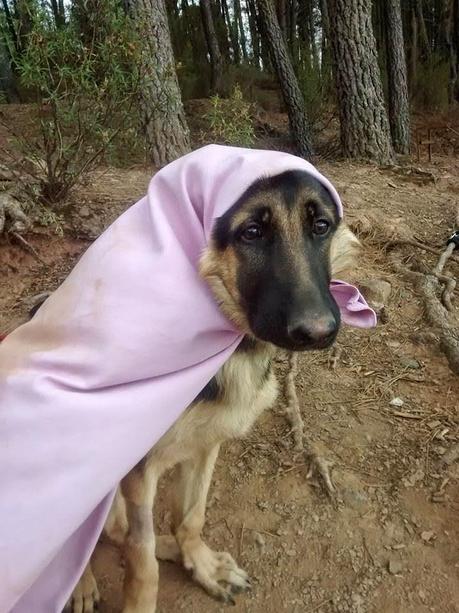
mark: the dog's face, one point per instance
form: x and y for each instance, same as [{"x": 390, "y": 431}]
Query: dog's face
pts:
[{"x": 269, "y": 263}]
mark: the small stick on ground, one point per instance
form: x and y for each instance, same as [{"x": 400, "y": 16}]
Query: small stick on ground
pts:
[{"x": 27, "y": 246}]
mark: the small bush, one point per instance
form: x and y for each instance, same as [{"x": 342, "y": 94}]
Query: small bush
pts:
[
  {"x": 430, "y": 90},
  {"x": 230, "y": 120},
  {"x": 83, "y": 78},
  {"x": 316, "y": 85}
]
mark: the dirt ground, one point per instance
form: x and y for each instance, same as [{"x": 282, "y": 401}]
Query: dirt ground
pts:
[{"x": 390, "y": 543}]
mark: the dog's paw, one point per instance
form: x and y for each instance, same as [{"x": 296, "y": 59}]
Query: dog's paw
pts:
[
  {"x": 212, "y": 568},
  {"x": 85, "y": 597},
  {"x": 320, "y": 472}
]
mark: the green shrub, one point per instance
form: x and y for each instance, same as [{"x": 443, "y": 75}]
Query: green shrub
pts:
[
  {"x": 230, "y": 119},
  {"x": 84, "y": 79},
  {"x": 430, "y": 90}
]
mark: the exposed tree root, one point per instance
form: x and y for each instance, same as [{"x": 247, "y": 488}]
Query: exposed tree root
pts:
[
  {"x": 438, "y": 310},
  {"x": 12, "y": 218}
]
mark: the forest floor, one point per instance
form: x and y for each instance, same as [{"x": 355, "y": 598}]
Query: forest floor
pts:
[{"x": 391, "y": 542}]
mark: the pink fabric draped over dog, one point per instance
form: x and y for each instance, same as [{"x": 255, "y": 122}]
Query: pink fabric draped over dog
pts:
[{"x": 109, "y": 362}]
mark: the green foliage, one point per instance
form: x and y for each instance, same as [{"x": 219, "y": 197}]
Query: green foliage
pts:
[
  {"x": 430, "y": 91},
  {"x": 230, "y": 119},
  {"x": 84, "y": 79},
  {"x": 316, "y": 85}
]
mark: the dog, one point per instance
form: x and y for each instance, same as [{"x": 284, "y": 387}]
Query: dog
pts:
[{"x": 269, "y": 264}]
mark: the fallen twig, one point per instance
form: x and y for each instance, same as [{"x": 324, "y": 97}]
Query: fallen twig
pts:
[{"x": 28, "y": 247}]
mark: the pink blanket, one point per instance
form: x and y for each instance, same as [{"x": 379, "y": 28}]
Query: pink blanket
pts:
[{"x": 108, "y": 364}]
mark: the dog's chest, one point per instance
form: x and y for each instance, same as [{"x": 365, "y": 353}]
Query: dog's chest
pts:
[
  {"x": 243, "y": 388},
  {"x": 225, "y": 409}
]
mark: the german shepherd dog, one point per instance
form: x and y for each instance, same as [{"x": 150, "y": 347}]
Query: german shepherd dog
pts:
[{"x": 269, "y": 264}]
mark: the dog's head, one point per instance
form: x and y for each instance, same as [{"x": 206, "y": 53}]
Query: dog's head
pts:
[{"x": 271, "y": 258}]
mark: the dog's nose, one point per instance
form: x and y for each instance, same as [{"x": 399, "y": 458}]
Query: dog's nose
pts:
[{"x": 316, "y": 331}]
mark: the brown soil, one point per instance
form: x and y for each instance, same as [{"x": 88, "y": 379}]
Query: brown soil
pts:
[{"x": 386, "y": 546}]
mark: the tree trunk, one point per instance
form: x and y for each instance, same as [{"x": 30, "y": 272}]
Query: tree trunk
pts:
[
  {"x": 232, "y": 33},
  {"x": 216, "y": 62},
  {"x": 414, "y": 50},
  {"x": 240, "y": 25},
  {"x": 422, "y": 30},
  {"x": 325, "y": 44},
  {"x": 287, "y": 79},
  {"x": 161, "y": 107},
  {"x": 455, "y": 36},
  {"x": 222, "y": 33},
  {"x": 24, "y": 13},
  {"x": 254, "y": 32},
  {"x": 364, "y": 124},
  {"x": 451, "y": 53},
  {"x": 282, "y": 16},
  {"x": 11, "y": 28},
  {"x": 293, "y": 38},
  {"x": 399, "y": 111}
]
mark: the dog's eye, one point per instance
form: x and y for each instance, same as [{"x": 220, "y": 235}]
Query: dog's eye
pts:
[
  {"x": 252, "y": 232},
  {"x": 321, "y": 226}
]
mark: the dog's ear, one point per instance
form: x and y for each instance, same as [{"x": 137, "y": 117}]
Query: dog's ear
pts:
[{"x": 344, "y": 249}]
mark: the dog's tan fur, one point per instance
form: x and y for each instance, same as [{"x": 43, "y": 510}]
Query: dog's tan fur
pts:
[{"x": 193, "y": 443}]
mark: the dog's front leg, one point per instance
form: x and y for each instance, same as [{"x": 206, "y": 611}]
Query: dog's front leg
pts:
[
  {"x": 141, "y": 575},
  {"x": 209, "y": 567}
]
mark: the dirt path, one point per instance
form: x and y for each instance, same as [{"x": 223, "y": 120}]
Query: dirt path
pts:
[{"x": 387, "y": 547}]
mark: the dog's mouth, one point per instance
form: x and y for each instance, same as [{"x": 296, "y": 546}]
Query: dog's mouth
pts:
[{"x": 287, "y": 343}]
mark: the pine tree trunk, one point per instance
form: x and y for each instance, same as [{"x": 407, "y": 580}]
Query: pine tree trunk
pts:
[
  {"x": 422, "y": 30},
  {"x": 254, "y": 32},
  {"x": 239, "y": 24},
  {"x": 287, "y": 79},
  {"x": 161, "y": 107},
  {"x": 399, "y": 111},
  {"x": 216, "y": 62},
  {"x": 222, "y": 33},
  {"x": 293, "y": 37},
  {"x": 455, "y": 37},
  {"x": 232, "y": 33},
  {"x": 325, "y": 45},
  {"x": 451, "y": 53},
  {"x": 282, "y": 16},
  {"x": 414, "y": 50},
  {"x": 364, "y": 124}
]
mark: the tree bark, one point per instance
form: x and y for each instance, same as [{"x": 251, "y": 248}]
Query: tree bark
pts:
[
  {"x": 232, "y": 33},
  {"x": 451, "y": 53},
  {"x": 414, "y": 49},
  {"x": 240, "y": 25},
  {"x": 399, "y": 111},
  {"x": 293, "y": 38},
  {"x": 222, "y": 33},
  {"x": 161, "y": 107},
  {"x": 282, "y": 16},
  {"x": 422, "y": 30},
  {"x": 287, "y": 79},
  {"x": 325, "y": 43},
  {"x": 254, "y": 32},
  {"x": 364, "y": 124},
  {"x": 216, "y": 62},
  {"x": 24, "y": 13}
]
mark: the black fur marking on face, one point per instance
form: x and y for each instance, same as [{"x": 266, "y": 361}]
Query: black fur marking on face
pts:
[{"x": 283, "y": 275}]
